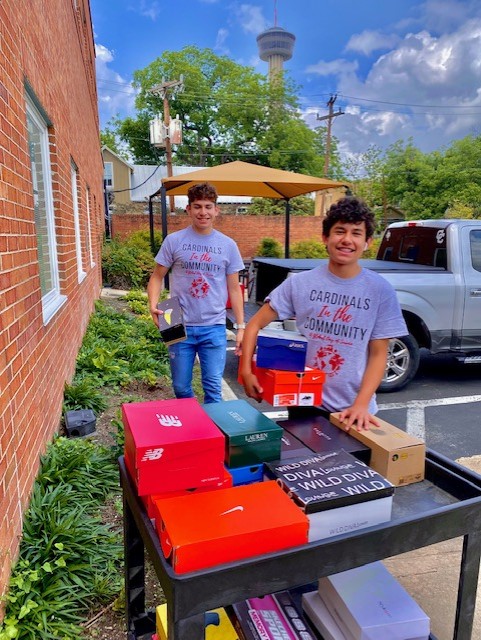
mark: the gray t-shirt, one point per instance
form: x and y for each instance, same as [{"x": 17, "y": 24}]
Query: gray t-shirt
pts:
[
  {"x": 199, "y": 266},
  {"x": 339, "y": 317}
]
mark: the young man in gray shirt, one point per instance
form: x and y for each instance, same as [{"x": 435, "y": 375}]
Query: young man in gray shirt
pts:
[
  {"x": 205, "y": 265},
  {"x": 348, "y": 314}
]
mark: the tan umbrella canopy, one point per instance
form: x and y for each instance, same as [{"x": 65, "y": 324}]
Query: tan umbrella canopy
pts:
[
  {"x": 246, "y": 179},
  {"x": 243, "y": 179}
]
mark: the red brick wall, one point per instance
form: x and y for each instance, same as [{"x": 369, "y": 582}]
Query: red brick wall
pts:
[
  {"x": 49, "y": 46},
  {"x": 246, "y": 230}
]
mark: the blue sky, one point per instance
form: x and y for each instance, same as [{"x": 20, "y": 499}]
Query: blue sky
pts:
[{"x": 400, "y": 68}]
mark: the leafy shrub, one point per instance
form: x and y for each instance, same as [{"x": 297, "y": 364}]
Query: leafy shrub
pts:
[
  {"x": 118, "y": 349},
  {"x": 308, "y": 249},
  {"x": 67, "y": 558},
  {"x": 141, "y": 240},
  {"x": 84, "y": 394},
  {"x": 126, "y": 266},
  {"x": 270, "y": 248}
]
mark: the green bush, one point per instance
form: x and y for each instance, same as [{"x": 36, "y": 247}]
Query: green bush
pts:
[
  {"x": 141, "y": 240},
  {"x": 308, "y": 249},
  {"x": 126, "y": 266},
  {"x": 270, "y": 248},
  {"x": 68, "y": 559},
  {"x": 84, "y": 394}
]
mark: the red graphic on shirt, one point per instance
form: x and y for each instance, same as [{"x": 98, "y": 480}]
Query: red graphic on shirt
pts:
[
  {"x": 329, "y": 360},
  {"x": 199, "y": 288}
]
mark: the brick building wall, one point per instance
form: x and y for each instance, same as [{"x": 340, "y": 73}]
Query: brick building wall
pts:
[
  {"x": 246, "y": 230},
  {"x": 46, "y": 51}
]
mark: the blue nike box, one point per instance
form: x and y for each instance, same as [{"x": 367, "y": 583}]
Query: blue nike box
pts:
[{"x": 283, "y": 350}]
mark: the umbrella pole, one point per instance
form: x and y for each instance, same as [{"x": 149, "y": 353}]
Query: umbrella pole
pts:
[
  {"x": 288, "y": 224},
  {"x": 163, "y": 207}
]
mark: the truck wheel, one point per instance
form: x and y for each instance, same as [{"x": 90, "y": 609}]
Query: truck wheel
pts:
[{"x": 402, "y": 363}]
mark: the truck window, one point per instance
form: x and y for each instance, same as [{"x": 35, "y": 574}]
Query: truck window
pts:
[
  {"x": 417, "y": 244},
  {"x": 475, "y": 244}
]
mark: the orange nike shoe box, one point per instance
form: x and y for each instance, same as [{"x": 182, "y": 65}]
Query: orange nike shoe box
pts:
[
  {"x": 172, "y": 445},
  {"x": 288, "y": 388},
  {"x": 291, "y": 388},
  {"x": 227, "y": 481},
  {"x": 206, "y": 529}
]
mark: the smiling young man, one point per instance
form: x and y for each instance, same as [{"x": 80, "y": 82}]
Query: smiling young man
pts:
[
  {"x": 205, "y": 266},
  {"x": 348, "y": 314}
]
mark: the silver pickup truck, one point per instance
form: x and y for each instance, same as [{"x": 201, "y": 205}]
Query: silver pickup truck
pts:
[{"x": 435, "y": 268}]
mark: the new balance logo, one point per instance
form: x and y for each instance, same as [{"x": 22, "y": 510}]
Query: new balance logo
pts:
[
  {"x": 168, "y": 421},
  {"x": 238, "y": 508},
  {"x": 152, "y": 454}
]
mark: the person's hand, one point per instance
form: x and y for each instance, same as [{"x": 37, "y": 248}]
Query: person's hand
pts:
[
  {"x": 252, "y": 387},
  {"x": 359, "y": 417},
  {"x": 238, "y": 342},
  {"x": 155, "y": 313}
]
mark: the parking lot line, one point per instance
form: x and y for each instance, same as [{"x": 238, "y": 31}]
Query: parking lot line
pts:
[{"x": 415, "y": 419}]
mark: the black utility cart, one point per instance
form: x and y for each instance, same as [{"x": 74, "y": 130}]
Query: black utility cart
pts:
[{"x": 446, "y": 505}]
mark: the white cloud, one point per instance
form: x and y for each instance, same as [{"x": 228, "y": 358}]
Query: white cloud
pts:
[
  {"x": 220, "y": 45},
  {"x": 428, "y": 87},
  {"x": 251, "y": 18},
  {"x": 147, "y": 9},
  {"x": 116, "y": 95},
  {"x": 369, "y": 41},
  {"x": 334, "y": 67}
]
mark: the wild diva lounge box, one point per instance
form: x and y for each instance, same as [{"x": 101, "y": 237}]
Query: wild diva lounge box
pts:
[
  {"x": 395, "y": 454},
  {"x": 284, "y": 350},
  {"x": 272, "y": 617},
  {"x": 251, "y": 437},
  {"x": 171, "y": 445},
  {"x": 321, "y": 436},
  {"x": 368, "y": 603},
  {"x": 338, "y": 492},
  {"x": 291, "y": 388},
  {"x": 210, "y": 528}
]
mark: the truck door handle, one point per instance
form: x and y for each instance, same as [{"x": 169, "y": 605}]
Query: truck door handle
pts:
[{"x": 475, "y": 293}]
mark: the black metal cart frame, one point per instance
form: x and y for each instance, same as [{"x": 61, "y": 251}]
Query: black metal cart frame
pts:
[{"x": 444, "y": 506}]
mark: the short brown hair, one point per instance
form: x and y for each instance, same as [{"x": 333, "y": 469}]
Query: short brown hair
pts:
[{"x": 202, "y": 191}]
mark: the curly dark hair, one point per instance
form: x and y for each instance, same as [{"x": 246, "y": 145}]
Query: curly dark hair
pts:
[
  {"x": 349, "y": 209},
  {"x": 202, "y": 191}
]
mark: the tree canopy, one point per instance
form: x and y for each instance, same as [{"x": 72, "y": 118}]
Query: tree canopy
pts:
[{"x": 229, "y": 112}]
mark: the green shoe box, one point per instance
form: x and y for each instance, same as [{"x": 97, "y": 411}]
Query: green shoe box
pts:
[{"x": 251, "y": 437}]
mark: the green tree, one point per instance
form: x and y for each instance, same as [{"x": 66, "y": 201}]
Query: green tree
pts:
[
  {"x": 229, "y": 112},
  {"x": 299, "y": 206}
]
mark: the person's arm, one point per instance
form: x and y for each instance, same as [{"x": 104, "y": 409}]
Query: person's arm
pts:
[
  {"x": 265, "y": 315},
  {"x": 376, "y": 364},
  {"x": 237, "y": 303},
  {"x": 154, "y": 289}
]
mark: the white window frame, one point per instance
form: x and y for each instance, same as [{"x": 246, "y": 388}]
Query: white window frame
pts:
[
  {"x": 76, "y": 221},
  {"x": 52, "y": 299},
  {"x": 111, "y": 164},
  {"x": 89, "y": 228}
]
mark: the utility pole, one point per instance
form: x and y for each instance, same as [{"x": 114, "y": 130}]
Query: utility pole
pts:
[
  {"x": 330, "y": 116},
  {"x": 327, "y": 155},
  {"x": 166, "y": 90}
]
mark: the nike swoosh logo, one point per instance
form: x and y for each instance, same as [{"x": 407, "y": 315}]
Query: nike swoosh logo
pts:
[
  {"x": 316, "y": 378},
  {"x": 239, "y": 508}
]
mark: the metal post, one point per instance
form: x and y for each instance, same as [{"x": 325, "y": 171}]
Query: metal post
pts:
[
  {"x": 163, "y": 206},
  {"x": 288, "y": 225}
]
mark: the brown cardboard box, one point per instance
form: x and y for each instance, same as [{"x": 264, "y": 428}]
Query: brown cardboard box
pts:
[{"x": 395, "y": 454}]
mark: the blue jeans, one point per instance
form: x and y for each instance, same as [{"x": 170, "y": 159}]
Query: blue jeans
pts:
[{"x": 210, "y": 344}]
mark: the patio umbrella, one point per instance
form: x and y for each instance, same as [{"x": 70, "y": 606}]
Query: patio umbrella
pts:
[{"x": 246, "y": 179}]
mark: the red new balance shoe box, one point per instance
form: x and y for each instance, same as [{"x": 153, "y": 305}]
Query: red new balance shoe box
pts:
[
  {"x": 227, "y": 481},
  {"x": 206, "y": 529},
  {"x": 291, "y": 388},
  {"x": 171, "y": 445}
]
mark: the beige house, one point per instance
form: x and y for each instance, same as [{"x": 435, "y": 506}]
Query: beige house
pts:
[{"x": 117, "y": 175}]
